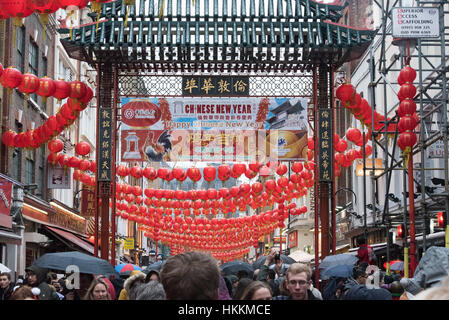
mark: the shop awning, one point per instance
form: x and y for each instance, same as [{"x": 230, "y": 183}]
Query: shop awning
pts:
[{"x": 71, "y": 239}]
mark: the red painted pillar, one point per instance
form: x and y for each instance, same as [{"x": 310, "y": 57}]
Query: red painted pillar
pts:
[{"x": 411, "y": 198}]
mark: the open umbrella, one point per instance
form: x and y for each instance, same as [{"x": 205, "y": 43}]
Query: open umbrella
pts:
[
  {"x": 126, "y": 268},
  {"x": 84, "y": 262},
  {"x": 233, "y": 267},
  {"x": 336, "y": 260},
  {"x": 155, "y": 266},
  {"x": 259, "y": 262},
  {"x": 301, "y": 256},
  {"x": 398, "y": 265},
  {"x": 341, "y": 271},
  {"x": 4, "y": 268}
]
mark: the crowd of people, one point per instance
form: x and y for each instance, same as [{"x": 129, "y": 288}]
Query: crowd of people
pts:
[{"x": 197, "y": 276}]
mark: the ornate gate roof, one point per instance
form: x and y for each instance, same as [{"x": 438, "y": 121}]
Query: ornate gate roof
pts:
[{"x": 265, "y": 35}]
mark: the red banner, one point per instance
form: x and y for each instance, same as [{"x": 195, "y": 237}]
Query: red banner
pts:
[{"x": 293, "y": 239}]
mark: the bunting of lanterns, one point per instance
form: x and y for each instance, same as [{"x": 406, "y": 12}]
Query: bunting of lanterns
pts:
[
  {"x": 173, "y": 216},
  {"x": 407, "y": 112},
  {"x": 78, "y": 94}
]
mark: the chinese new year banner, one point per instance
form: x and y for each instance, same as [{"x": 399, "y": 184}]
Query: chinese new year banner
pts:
[{"x": 213, "y": 129}]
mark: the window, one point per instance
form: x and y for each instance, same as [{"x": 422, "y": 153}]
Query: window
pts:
[
  {"x": 29, "y": 166},
  {"x": 20, "y": 48},
  {"x": 34, "y": 63}
]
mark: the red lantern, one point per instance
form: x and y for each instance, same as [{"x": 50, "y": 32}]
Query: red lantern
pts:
[
  {"x": 62, "y": 89},
  {"x": 407, "y": 74},
  {"x": 87, "y": 97},
  {"x": 84, "y": 165},
  {"x": 297, "y": 167},
  {"x": 407, "y": 107},
  {"x": 239, "y": 169},
  {"x": 407, "y": 91},
  {"x": 82, "y": 148},
  {"x": 122, "y": 171},
  {"x": 8, "y": 138},
  {"x": 282, "y": 169},
  {"x": 209, "y": 173},
  {"x": 73, "y": 162},
  {"x": 64, "y": 161},
  {"x": 250, "y": 174},
  {"x": 163, "y": 173},
  {"x": 136, "y": 172},
  {"x": 11, "y": 78},
  {"x": 355, "y": 102},
  {"x": 345, "y": 93},
  {"x": 46, "y": 87},
  {"x": 55, "y": 146},
  {"x": 310, "y": 143},
  {"x": 353, "y": 134},
  {"x": 407, "y": 139},
  {"x": 77, "y": 90},
  {"x": 407, "y": 123},
  {"x": 341, "y": 146},
  {"x": 29, "y": 84}
]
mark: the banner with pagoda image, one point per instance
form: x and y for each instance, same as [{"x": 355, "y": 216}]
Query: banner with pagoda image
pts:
[{"x": 213, "y": 129}]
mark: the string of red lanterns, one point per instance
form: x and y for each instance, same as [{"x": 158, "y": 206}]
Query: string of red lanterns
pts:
[
  {"x": 78, "y": 94},
  {"x": 408, "y": 118}
]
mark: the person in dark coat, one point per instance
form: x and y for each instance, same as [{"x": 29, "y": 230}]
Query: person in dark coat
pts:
[
  {"x": 6, "y": 286},
  {"x": 361, "y": 292},
  {"x": 37, "y": 277}
]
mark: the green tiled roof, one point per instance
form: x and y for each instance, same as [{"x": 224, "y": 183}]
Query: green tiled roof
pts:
[{"x": 291, "y": 25}]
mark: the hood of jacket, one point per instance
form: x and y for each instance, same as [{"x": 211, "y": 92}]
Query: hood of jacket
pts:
[
  {"x": 131, "y": 281},
  {"x": 41, "y": 273}
]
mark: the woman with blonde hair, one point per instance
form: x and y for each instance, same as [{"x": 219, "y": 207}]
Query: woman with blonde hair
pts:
[{"x": 98, "y": 290}]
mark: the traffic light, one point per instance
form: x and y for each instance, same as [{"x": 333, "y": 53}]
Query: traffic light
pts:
[
  {"x": 400, "y": 230},
  {"x": 442, "y": 220}
]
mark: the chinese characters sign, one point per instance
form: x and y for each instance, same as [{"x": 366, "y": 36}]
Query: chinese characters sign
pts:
[
  {"x": 325, "y": 140},
  {"x": 213, "y": 86},
  {"x": 88, "y": 201},
  {"x": 214, "y": 129},
  {"x": 105, "y": 136},
  {"x": 293, "y": 239}
]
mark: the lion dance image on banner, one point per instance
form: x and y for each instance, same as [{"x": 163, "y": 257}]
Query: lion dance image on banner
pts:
[{"x": 213, "y": 129}]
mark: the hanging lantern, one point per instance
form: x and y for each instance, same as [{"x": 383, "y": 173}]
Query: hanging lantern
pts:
[
  {"x": 282, "y": 169},
  {"x": 74, "y": 162},
  {"x": 407, "y": 90},
  {"x": 17, "y": 9},
  {"x": 82, "y": 148},
  {"x": 77, "y": 90},
  {"x": 209, "y": 173},
  {"x": 55, "y": 146},
  {"x": 345, "y": 93},
  {"x": 44, "y": 8},
  {"x": 46, "y": 87},
  {"x": 8, "y": 138},
  {"x": 407, "y": 74},
  {"x": 353, "y": 134},
  {"x": 29, "y": 84},
  {"x": 11, "y": 78},
  {"x": 86, "y": 98},
  {"x": 341, "y": 146},
  {"x": 407, "y": 107},
  {"x": 136, "y": 172},
  {"x": 122, "y": 171},
  {"x": 407, "y": 123},
  {"x": 62, "y": 89},
  {"x": 310, "y": 143}
]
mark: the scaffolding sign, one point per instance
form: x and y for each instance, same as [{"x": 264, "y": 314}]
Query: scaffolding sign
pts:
[{"x": 415, "y": 23}]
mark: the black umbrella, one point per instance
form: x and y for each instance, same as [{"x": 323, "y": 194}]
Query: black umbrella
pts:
[
  {"x": 233, "y": 267},
  {"x": 83, "y": 262},
  {"x": 259, "y": 262},
  {"x": 157, "y": 266}
]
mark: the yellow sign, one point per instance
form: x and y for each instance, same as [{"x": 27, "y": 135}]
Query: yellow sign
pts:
[
  {"x": 128, "y": 244},
  {"x": 369, "y": 165}
]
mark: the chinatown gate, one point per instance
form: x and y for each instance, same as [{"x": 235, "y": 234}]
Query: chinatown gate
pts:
[{"x": 288, "y": 50}]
